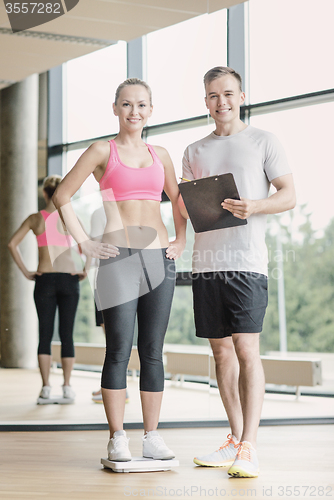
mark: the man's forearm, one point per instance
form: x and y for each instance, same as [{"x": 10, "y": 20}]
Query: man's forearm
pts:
[
  {"x": 284, "y": 199},
  {"x": 281, "y": 201}
]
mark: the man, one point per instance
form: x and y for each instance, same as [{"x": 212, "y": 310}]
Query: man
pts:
[{"x": 230, "y": 264}]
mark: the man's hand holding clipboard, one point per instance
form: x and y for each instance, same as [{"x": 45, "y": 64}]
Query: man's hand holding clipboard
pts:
[
  {"x": 242, "y": 208},
  {"x": 203, "y": 199}
]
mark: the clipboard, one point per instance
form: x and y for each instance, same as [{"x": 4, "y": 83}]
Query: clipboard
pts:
[{"x": 203, "y": 198}]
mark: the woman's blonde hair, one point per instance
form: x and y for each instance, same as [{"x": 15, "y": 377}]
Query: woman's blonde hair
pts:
[
  {"x": 133, "y": 81},
  {"x": 50, "y": 184}
]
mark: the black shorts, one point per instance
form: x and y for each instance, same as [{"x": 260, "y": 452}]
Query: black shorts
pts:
[{"x": 227, "y": 302}]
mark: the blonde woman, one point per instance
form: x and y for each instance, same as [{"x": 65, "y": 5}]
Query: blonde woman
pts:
[
  {"x": 56, "y": 285},
  {"x": 137, "y": 269}
]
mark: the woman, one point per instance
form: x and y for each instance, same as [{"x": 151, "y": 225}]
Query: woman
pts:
[
  {"x": 137, "y": 268},
  {"x": 56, "y": 285}
]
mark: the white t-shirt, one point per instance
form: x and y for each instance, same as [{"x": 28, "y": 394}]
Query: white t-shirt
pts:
[{"x": 255, "y": 158}]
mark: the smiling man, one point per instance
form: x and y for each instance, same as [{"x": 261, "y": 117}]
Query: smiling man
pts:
[{"x": 230, "y": 264}]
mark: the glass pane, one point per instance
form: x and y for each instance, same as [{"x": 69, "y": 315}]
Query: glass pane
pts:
[
  {"x": 175, "y": 143},
  {"x": 177, "y": 59},
  {"x": 85, "y": 202},
  {"x": 290, "y": 48},
  {"x": 309, "y": 151},
  {"x": 307, "y": 233},
  {"x": 186, "y": 364},
  {"x": 181, "y": 327},
  {"x": 184, "y": 262},
  {"x": 88, "y": 198},
  {"x": 90, "y": 84},
  {"x": 85, "y": 329}
]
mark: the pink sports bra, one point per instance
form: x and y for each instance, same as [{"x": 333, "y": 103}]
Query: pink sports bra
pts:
[
  {"x": 120, "y": 182},
  {"x": 51, "y": 235}
]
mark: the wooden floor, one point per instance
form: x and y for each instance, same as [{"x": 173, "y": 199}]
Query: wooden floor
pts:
[{"x": 66, "y": 466}]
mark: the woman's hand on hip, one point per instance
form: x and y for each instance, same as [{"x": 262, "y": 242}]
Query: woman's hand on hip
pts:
[
  {"x": 31, "y": 275},
  {"x": 175, "y": 249},
  {"x": 98, "y": 250},
  {"x": 81, "y": 276}
]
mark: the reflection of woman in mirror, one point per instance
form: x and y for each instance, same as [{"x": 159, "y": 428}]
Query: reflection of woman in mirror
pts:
[
  {"x": 137, "y": 270},
  {"x": 56, "y": 285}
]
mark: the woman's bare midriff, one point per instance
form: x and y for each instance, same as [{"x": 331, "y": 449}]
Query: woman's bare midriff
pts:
[
  {"x": 135, "y": 224},
  {"x": 62, "y": 260}
]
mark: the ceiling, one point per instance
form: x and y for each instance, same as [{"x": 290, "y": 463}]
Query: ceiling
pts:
[{"x": 89, "y": 26}]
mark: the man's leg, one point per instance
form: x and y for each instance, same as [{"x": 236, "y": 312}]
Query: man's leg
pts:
[
  {"x": 251, "y": 390},
  {"x": 227, "y": 374},
  {"x": 211, "y": 319},
  {"x": 251, "y": 382}
]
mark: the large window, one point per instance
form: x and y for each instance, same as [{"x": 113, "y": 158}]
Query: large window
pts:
[
  {"x": 85, "y": 202},
  {"x": 306, "y": 136},
  {"x": 177, "y": 59},
  {"x": 90, "y": 83},
  {"x": 290, "y": 48},
  {"x": 176, "y": 142},
  {"x": 305, "y": 232},
  {"x": 289, "y": 55}
]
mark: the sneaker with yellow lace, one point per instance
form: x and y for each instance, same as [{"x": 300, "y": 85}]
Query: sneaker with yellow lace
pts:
[
  {"x": 246, "y": 463},
  {"x": 224, "y": 457}
]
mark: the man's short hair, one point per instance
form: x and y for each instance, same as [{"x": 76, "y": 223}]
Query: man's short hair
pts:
[{"x": 220, "y": 71}]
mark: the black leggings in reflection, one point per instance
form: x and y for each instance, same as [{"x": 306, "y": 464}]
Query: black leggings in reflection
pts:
[
  {"x": 135, "y": 283},
  {"x": 54, "y": 290}
]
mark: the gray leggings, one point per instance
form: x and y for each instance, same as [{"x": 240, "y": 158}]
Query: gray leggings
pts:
[{"x": 135, "y": 283}]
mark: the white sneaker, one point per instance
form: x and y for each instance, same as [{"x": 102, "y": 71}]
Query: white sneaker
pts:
[
  {"x": 45, "y": 392},
  {"x": 68, "y": 392},
  {"x": 155, "y": 447},
  {"x": 246, "y": 463},
  {"x": 224, "y": 457},
  {"x": 118, "y": 447}
]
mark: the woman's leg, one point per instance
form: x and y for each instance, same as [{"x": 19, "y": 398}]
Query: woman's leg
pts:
[
  {"x": 151, "y": 406},
  {"x": 67, "y": 299},
  {"x": 119, "y": 324},
  {"x": 67, "y": 366},
  {"x": 114, "y": 406},
  {"x": 44, "y": 363},
  {"x": 46, "y": 304},
  {"x": 117, "y": 288},
  {"x": 153, "y": 315}
]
